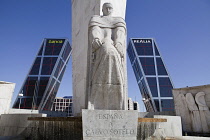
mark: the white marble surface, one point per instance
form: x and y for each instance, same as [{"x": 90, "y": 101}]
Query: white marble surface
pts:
[
  {"x": 109, "y": 124},
  {"x": 107, "y": 50},
  {"x": 82, "y": 11},
  {"x": 6, "y": 93},
  {"x": 172, "y": 127}
]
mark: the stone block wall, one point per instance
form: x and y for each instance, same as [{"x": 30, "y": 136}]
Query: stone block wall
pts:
[{"x": 193, "y": 105}]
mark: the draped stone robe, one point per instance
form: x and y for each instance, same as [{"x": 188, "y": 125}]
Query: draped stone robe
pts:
[{"x": 106, "y": 84}]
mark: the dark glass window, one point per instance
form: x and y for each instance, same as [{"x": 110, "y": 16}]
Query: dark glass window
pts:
[
  {"x": 36, "y": 66},
  {"x": 167, "y": 104},
  {"x": 42, "y": 85},
  {"x": 46, "y": 107},
  {"x": 28, "y": 102},
  {"x": 157, "y": 104},
  {"x": 148, "y": 65},
  {"x": 153, "y": 86},
  {"x": 66, "y": 52},
  {"x": 160, "y": 67},
  {"x": 156, "y": 50},
  {"x": 53, "y": 46},
  {"x": 165, "y": 87},
  {"x": 29, "y": 86},
  {"x": 51, "y": 86},
  {"x": 56, "y": 88},
  {"x": 143, "y": 46},
  {"x": 143, "y": 89},
  {"x": 62, "y": 73},
  {"x": 131, "y": 53},
  {"x": 41, "y": 50},
  {"x": 49, "y": 102},
  {"x": 38, "y": 101},
  {"x": 48, "y": 65},
  {"x": 59, "y": 68}
]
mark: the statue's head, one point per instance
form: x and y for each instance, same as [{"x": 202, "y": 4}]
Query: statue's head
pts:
[{"x": 107, "y": 9}]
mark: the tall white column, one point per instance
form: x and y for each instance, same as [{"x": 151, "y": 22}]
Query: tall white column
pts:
[{"x": 82, "y": 11}]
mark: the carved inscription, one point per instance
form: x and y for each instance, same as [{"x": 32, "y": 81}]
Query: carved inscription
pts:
[
  {"x": 110, "y": 124},
  {"x": 109, "y": 132},
  {"x": 110, "y": 116}
]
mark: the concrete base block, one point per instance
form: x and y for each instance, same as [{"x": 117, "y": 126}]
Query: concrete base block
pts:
[
  {"x": 172, "y": 127},
  {"x": 109, "y": 124},
  {"x": 187, "y": 138},
  {"x": 15, "y": 124}
]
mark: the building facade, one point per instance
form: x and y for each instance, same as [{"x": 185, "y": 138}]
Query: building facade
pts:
[
  {"x": 130, "y": 104},
  {"x": 136, "y": 106},
  {"x": 151, "y": 74},
  {"x": 63, "y": 104},
  {"x": 43, "y": 80}
]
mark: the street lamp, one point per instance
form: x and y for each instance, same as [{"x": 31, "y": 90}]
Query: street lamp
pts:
[{"x": 20, "y": 96}]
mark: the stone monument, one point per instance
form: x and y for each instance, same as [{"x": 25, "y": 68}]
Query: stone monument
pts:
[
  {"x": 109, "y": 124},
  {"x": 82, "y": 11},
  {"x": 107, "y": 68},
  {"x": 192, "y": 104},
  {"x": 107, "y": 116}
]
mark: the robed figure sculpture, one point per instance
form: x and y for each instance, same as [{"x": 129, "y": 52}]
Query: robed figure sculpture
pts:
[{"x": 107, "y": 67}]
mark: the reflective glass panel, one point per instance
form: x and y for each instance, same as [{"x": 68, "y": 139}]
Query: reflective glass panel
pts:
[
  {"x": 48, "y": 65},
  {"x": 59, "y": 68},
  {"x": 165, "y": 87},
  {"x": 167, "y": 104},
  {"x": 148, "y": 65},
  {"x": 35, "y": 67},
  {"x": 160, "y": 67},
  {"x": 157, "y": 104},
  {"x": 62, "y": 73},
  {"x": 153, "y": 86},
  {"x": 42, "y": 85},
  {"x": 66, "y": 52},
  {"x": 29, "y": 86},
  {"x": 27, "y": 103}
]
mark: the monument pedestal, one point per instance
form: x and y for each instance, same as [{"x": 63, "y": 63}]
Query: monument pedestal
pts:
[{"x": 109, "y": 124}]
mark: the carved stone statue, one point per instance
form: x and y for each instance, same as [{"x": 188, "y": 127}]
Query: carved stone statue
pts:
[
  {"x": 204, "y": 111},
  {"x": 106, "y": 69},
  {"x": 183, "y": 112},
  {"x": 194, "y": 112}
]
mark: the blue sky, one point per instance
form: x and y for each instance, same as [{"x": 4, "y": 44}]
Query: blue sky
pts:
[{"x": 181, "y": 29}]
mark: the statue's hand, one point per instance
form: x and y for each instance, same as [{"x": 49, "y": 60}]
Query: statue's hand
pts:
[
  {"x": 119, "y": 48},
  {"x": 96, "y": 44}
]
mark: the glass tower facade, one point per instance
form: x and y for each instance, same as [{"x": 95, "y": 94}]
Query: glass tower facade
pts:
[
  {"x": 151, "y": 74},
  {"x": 43, "y": 80}
]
